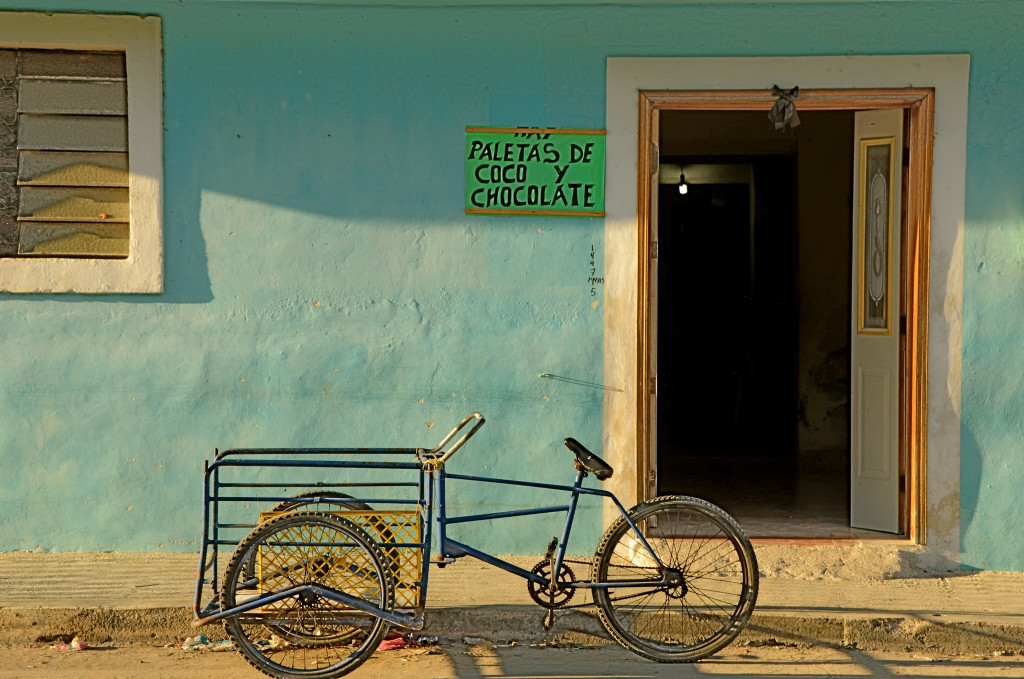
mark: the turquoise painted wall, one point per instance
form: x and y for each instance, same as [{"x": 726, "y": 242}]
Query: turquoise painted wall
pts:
[{"x": 323, "y": 286}]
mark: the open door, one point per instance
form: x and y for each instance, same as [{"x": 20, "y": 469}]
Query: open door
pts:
[{"x": 875, "y": 341}]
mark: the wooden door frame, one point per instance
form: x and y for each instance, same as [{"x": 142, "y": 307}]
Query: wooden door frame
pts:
[{"x": 919, "y": 107}]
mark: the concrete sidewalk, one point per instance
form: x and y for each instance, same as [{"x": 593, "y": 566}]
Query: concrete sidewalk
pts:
[{"x": 146, "y": 598}]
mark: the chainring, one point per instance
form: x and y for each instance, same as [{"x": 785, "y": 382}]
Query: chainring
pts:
[{"x": 543, "y": 594}]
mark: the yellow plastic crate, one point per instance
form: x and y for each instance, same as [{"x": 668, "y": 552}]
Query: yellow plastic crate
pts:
[{"x": 403, "y": 528}]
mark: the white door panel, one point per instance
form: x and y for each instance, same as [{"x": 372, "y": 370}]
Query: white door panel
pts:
[
  {"x": 873, "y": 454},
  {"x": 874, "y": 347}
]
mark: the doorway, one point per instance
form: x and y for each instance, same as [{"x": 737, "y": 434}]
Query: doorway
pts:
[
  {"x": 932, "y": 91},
  {"x": 909, "y": 322},
  {"x": 752, "y": 308}
]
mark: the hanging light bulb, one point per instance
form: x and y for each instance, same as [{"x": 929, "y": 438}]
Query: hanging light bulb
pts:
[{"x": 683, "y": 186}]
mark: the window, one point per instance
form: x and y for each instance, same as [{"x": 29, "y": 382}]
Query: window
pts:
[
  {"x": 80, "y": 153},
  {"x": 65, "y": 157}
]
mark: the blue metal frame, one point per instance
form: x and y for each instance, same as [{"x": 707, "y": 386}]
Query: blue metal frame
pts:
[
  {"x": 454, "y": 549},
  {"x": 214, "y": 497},
  {"x": 429, "y": 467}
]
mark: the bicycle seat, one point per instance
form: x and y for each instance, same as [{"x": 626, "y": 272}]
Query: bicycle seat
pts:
[{"x": 589, "y": 462}]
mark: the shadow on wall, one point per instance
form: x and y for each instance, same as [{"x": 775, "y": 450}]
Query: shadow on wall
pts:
[
  {"x": 972, "y": 470},
  {"x": 186, "y": 266},
  {"x": 257, "y": 108}
]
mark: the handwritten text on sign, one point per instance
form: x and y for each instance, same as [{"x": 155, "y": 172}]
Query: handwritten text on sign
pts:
[{"x": 531, "y": 171}]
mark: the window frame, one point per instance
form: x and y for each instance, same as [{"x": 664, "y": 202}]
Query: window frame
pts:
[{"x": 140, "y": 39}]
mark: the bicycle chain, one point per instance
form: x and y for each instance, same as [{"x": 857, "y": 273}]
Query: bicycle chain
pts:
[{"x": 622, "y": 597}]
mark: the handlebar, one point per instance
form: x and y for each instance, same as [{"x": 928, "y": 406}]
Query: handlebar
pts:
[{"x": 458, "y": 444}]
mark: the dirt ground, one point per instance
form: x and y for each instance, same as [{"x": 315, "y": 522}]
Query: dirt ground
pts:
[{"x": 461, "y": 661}]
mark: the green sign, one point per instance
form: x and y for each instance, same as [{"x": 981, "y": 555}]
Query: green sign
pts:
[{"x": 532, "y": 171}]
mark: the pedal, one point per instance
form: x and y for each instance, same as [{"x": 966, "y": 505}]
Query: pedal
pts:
[
  {"x": 442, "y": 561},
  {"x": 549, "y": 620},
  {"x": 551, "y": 549}
]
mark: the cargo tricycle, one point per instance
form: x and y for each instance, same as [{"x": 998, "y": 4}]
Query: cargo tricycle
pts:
[{"x": 332, "y": 547}]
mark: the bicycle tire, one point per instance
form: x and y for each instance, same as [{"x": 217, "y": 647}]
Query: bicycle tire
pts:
[
  {"x": 307, "y": 636},
  {"x": 322, "y": 500},
  {"x": 717, "y": 586}
]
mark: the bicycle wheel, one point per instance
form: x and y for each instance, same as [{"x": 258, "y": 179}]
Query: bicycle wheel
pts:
[
  {"x": 334, "y": 501},
  {"x": 307, "y": 635},
  {"x": 703, "y": 584}
]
